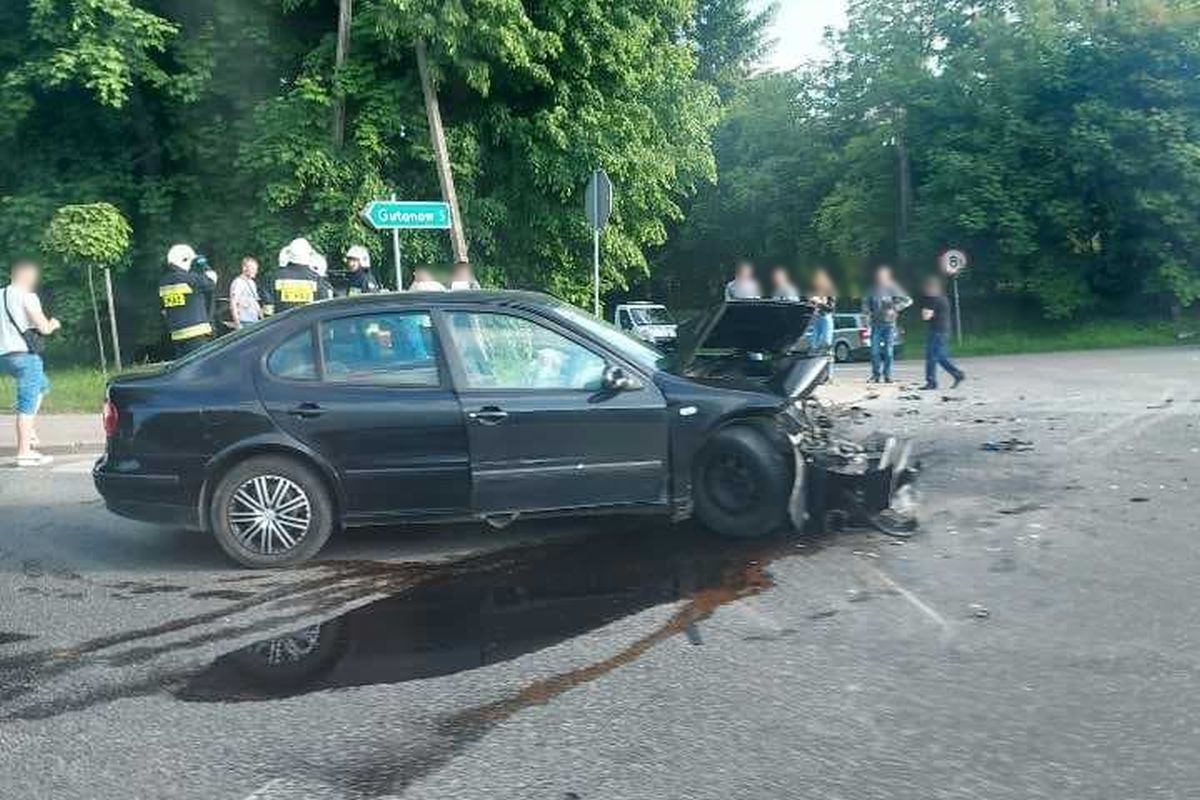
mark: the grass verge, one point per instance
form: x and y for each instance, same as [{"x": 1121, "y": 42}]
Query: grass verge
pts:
[{"x": 1048, "y": 337}]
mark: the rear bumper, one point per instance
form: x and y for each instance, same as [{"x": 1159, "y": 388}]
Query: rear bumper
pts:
[{"x": 142, "y": 496}]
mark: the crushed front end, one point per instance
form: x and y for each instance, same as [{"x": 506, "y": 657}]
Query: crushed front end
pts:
[{"x": 840, "y": 482}]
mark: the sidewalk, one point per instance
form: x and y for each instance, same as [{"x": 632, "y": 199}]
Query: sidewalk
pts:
[{"x": 60, "y": 433}]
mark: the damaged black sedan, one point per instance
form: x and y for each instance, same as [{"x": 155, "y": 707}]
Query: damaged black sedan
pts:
[{"x": 482, "y": 405}]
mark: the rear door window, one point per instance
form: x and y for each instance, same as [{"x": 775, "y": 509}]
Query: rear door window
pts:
[{"x": 398, "y": 350}]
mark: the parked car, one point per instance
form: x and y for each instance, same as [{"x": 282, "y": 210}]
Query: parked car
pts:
[
  {"x": 465, "y": 405},
  {"x": 650, "y": 322},
  {"x": 852, "y": 338}
]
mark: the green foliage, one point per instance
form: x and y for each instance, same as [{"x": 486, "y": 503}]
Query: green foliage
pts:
[
  {"x": 1055, "y": 141},
  {"x": 88, "y": 234},
  {"x": 209, "y": 121}
]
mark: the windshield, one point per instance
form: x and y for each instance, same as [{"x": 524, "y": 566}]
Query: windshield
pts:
[
  {"x": 637, "y": 351},
  {"x": 651, "y": 315}
]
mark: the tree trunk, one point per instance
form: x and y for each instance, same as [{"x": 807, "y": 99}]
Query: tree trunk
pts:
[
  {"x": 345, "y": 15},
  {"x": 99, "y": 330},
  {"x": 441, "y": 155}
]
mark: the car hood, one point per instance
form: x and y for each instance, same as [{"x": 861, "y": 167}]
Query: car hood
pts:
[
  {"x": 772, "y": 327},
  {"x": 740, "y": 341}
]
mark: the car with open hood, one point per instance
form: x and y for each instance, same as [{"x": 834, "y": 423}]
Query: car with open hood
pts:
[{"x": 488, "y": 405}]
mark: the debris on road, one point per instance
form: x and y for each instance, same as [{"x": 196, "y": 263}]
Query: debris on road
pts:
[
  {"x": 979, "y": 611},
  {"x": 1012, "y": 445}
]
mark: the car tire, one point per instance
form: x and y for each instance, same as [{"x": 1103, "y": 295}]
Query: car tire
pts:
[
  {"x": 299, "y": 521},
  {"x": 841, "y": 352},
  {"x": 741, "y": 483}
]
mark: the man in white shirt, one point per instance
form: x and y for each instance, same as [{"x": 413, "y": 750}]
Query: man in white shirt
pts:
[
  {"x": 244, "y": 306},
  {"x": 21, "y": 311}
]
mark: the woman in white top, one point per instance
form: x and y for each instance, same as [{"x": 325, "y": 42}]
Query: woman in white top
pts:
[{"x": 21, "y": 312}]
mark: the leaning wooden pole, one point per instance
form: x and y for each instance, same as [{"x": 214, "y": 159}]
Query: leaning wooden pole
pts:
[
  {"x": 345, "y": 15},
  {"x": 458, "y": 239},
  {"x": 99, "y": 330}
]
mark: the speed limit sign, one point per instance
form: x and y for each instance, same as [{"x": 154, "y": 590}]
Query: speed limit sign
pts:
[{"x": 954, "y": 262}]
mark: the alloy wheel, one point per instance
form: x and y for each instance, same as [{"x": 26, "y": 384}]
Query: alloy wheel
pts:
[{"x": 269, "y": 514}]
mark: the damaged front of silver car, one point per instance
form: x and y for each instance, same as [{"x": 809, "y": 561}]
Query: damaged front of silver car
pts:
[{"x": 838, "y": 480}]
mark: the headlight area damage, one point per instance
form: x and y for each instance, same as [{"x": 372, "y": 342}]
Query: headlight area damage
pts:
[
  {"x": 840, "y": 482},
  {"x": 761, "y": 346}
]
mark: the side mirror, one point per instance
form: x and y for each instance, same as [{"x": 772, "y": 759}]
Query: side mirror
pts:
[{"x": 616, "y": 380}]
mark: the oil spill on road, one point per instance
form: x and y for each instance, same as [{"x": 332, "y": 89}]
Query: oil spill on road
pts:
[{"x": 497, "y": 607}]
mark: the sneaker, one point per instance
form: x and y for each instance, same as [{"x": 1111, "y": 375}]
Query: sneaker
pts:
[
  {"x": 962, "y": 376},
  {"x": 887, "y": 380},
  {"x": 929, "y": 387},
  {"x": 34, "y": 460}
]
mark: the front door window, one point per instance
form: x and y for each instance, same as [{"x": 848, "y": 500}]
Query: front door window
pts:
[{"x": 499, "y": 351}]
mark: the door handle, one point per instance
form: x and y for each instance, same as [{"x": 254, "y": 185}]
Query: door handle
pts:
[
  {"x": 488, "y": 415},
  {"x": 307, "y": 411}
]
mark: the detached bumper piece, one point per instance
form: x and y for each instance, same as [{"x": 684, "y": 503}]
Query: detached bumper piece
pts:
[{"x": 842, "y": 483}]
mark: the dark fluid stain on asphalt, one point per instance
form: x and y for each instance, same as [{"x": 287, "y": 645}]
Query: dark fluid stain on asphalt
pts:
[{"x": 489, "y": 609}]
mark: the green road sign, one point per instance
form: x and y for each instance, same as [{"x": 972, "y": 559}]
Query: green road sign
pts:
[{"x": 391, "y": 215}]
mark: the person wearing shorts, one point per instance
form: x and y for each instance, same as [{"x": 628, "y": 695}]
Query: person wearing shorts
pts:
[{"x": 21, "y": 311}]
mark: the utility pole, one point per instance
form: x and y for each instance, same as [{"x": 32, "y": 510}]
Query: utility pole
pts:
[
  {"x": 345, "y": 15},
  {"x": 904, "y": 177},
  {"x": 458, "y": 240}
]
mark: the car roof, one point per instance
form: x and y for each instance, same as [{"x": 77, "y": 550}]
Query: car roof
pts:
[{"x": 496, "y": 297}]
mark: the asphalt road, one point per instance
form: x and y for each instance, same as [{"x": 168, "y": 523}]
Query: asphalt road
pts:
[{"x": 1034, "y": 640}]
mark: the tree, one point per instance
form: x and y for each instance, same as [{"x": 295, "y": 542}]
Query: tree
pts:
[{"x": 95, "y": 235}]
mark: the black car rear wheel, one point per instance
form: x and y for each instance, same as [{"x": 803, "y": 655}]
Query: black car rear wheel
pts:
[
  {"x": 271, "y": 511},
  {"x": 741, "y": 483},
  {"x": 841, "y": 352}
]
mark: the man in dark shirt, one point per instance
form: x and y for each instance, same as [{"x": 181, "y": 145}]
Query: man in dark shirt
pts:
[{"x": 935, "y": 310}]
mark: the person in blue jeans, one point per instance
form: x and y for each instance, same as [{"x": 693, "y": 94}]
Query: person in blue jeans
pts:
[
  {"x": 823, "y": 296},
  {"x": 935, "y": 310},
  {"x": 20, "y": 313},
  {"x": 882, "y": 306}
]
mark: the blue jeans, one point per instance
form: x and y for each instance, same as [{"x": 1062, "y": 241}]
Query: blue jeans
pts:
[
  {"x": 31, "y": 380},
  {"x": 937, "y": 353},
  {"x": 820, "y": 336},
  {"x": 883, "y": 342}
]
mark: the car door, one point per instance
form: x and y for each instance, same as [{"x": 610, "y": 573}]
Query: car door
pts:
[
  {"x": 371, "y": 394},
  {"x": 544, "y": 433}
]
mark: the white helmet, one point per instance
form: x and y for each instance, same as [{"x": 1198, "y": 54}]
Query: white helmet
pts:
[
  {"x": 285, "y": 256},
  {"x": 319, "y": 264},
  {"x": 301, "y": 252},
  {"x": 360, "y": 254},
  {"x": 181, "y": 255}
]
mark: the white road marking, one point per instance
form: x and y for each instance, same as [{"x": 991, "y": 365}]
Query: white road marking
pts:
[
  {"x": 916, "y": 602},
  {"x": 262, "y": 792}
]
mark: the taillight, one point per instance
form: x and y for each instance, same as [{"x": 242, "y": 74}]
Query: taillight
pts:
[
  {"x": 864, "y": 335},
  {"x": 110, "y": 418}
]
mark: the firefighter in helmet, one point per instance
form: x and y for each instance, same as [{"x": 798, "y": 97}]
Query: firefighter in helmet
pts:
[
  {"x": 184, "y": 291},
  {"x": 296, "y": 284},
  {"x": 360, "y": 279}
]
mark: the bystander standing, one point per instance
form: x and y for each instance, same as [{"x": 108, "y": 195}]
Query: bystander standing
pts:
[
  {"x": 744, "y": 285},
  {"x": 883, "y": 305},
  {"x": 22, "y": 326},
  {"x": 245, "y": 307},
  {"x": 782, "y": 287},
  {"x": 935, "y": 310}
]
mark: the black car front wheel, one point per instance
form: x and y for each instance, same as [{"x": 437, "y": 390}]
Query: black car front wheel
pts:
[
  {"x": 842, "y": 352},
  {"x": 741, "y": 483},
  {"x": 271, "y": 511}
]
